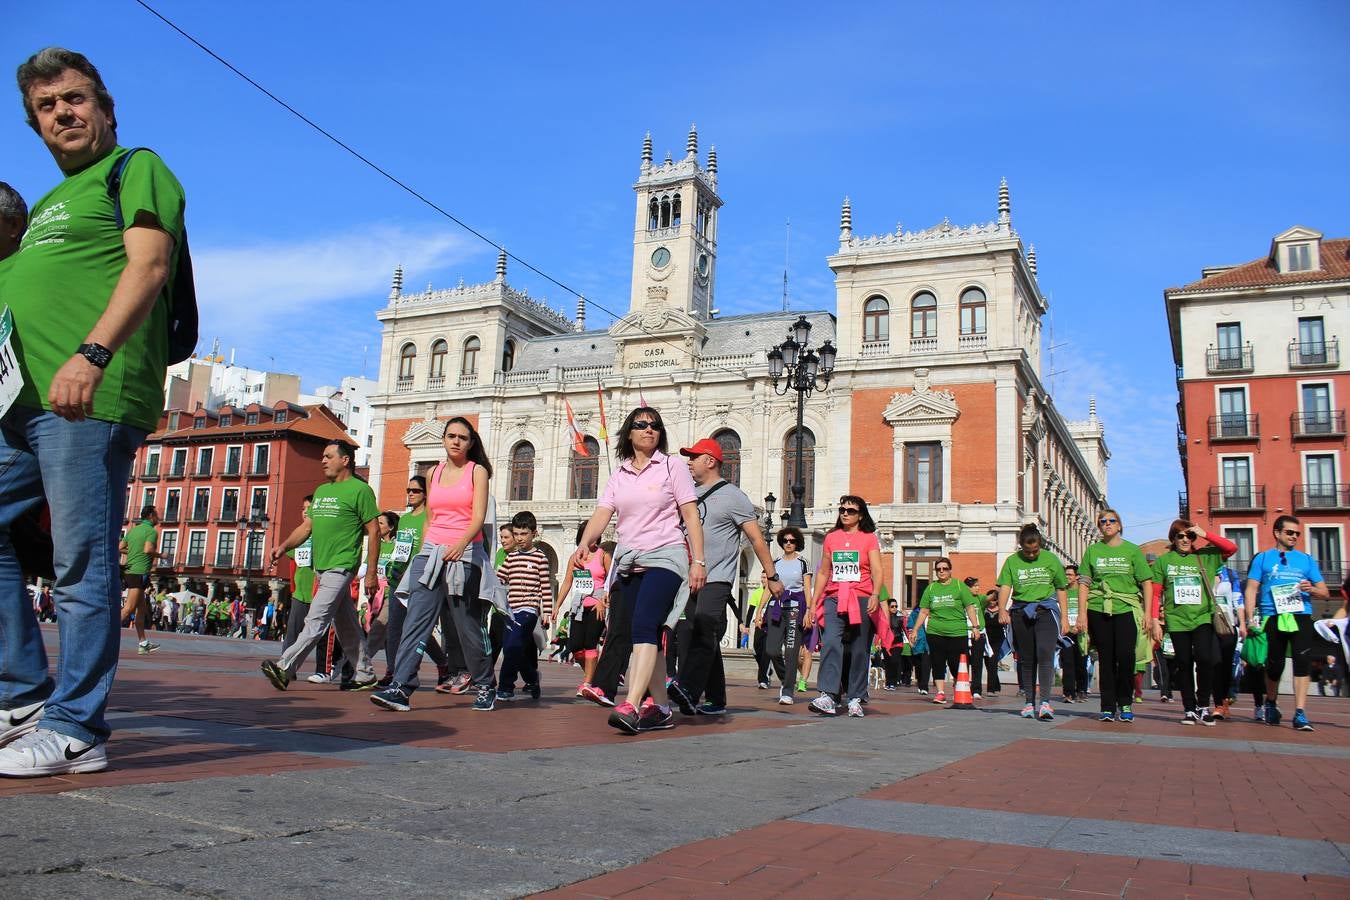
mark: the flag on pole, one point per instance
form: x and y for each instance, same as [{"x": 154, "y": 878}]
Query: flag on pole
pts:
[
  {"x": 604, "y": 427},
  {"x": 578, "y": 443},
  {"x": 642, "y": 399}
]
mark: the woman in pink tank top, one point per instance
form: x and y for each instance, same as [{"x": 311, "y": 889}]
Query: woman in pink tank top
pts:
[{"x": 457, "y": 501}]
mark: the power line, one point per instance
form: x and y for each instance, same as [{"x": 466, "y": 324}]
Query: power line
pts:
[{"x": 412, "y": 191}]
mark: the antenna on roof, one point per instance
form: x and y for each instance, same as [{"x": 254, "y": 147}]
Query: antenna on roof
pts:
[
  {"x": 787, "y": 258},
  {"x": 1050, "y": 349}
]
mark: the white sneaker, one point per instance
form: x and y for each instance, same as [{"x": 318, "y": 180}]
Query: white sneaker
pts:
[
  {"x": 318, "y": 678},
  {"x": 44, "y": 752},
  {"x": 855, "y": 708},
  {"x": 16, "y": 722},
  {"x": 146, "y": 646},
  {"x": 976, "y": 697},
  {"x": 784, "y": 699},
  {"x": 824, "y": 704}
]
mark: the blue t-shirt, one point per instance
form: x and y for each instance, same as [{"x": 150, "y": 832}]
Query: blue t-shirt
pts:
[{"x": 1269, "y": 569}]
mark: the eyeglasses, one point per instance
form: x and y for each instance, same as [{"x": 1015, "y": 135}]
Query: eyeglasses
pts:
[
  {"x": 1108, "y": 521},
  {"x": 943, "y": 568},
  {"x": 643, "y": 426},
  {"x": 1292, "y": 533},
  {"x": 849, "y": 511}
]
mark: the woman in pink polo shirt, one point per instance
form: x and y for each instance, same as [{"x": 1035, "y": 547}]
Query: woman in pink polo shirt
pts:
[{"x": 652, "y": 496}]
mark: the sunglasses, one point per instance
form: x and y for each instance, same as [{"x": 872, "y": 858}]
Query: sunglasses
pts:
[
  {"x": 943, "y": 568},
  {"x": 1292, "y": 533},
  {"x": 416, "y": 491},
  {"x": 643, "y": 426},
  {"x": 849, "y": 511},
  {"x": 1284, "y": 561},
  {"x": 785, "y": 541},
  {"x": 1108, "y": 521}
]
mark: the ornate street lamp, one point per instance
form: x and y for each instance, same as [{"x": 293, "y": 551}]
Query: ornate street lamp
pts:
[
  {"x": 769, "y": 501},
  {"x": 801, "y": 368}
]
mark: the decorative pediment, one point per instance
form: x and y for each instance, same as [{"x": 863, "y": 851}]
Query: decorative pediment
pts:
[
  {"x": 921, "y": 408},
  {"x": 426, "y": 433},
  {"x": 657, "y": 317}
]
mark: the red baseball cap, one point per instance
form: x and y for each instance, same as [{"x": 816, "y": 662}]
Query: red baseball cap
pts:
[{"x": 708, "y": 446}]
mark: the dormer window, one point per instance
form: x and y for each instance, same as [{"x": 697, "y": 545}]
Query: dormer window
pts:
[
  {"x": 226, "y": 420},
  {"x": 1297, "y": 250},
  {"x": 1299, "y": 258}
]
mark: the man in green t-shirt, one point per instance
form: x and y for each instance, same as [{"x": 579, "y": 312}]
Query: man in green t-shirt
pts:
[
  {"x": 85, "y": 346},
  {"x": 342, "y": 513},
  {"x": 139, "y": 547}
]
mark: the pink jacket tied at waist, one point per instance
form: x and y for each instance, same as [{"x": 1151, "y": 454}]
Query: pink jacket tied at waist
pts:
[{"x": 847, "y": 603}]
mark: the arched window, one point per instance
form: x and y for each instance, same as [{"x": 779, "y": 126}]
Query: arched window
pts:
[
  {"x": 665, "y": 213},
  {"x": 584, "y": 477},
  {"x": 675, "y": 212},
  {"x": 439, "y": 351},
  {"x": 509, "y": 356},
  {"x": 923, "y": 313},
  {"x": 653, "y": 214},
  {"x": 876, "y": 319},
  {"x": 471, "y": 348},
  {"x": 972, "y": 311},
  {"x": 808, "y": 466},
  {"x": 522, "y": 472},
  {"x": 407, "y": 361},
  {"x": 730, "y": 442}
]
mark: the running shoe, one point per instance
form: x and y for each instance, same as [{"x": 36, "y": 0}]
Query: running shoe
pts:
[
  {"x": 1068, "y": 698},
  {"x": 1273, "y": 714},
  {"x": 709, "y": 708},
  {"x": 146, "y": 646},
  {"x": 763, "y": 685},
  {"x": 318, "y": 678},
  {"x": 486, "y": 700},
  {"x": 1221, "y": 711},
  {"x": 801, "y": 685},
  {"x": 824, "y": 704},
  {"x": 1029, "y": 711},
  {"x": 45, "y": 752},
  {"x": 855, "y": 708},
  {"x": 1189, "y": 717},
  {"x": 460, "y": 683},
  {"x": 533, "y": 690},
  {"x": 1207, "y": 717},
  {"x": 923, "y": 691},
  {"x": 1106, "y": 717},
  {"x": 505, "y": 696},
  {"x": 276, "y": 675},
  {"x": 653, "y": 717},
  {"x": 972, "y": 696},
  {"x": 385, "y": 682},
  {"x": 1127, "y": 715},
  {"x": 1260, "y": 714},
  {"x": 595, "y": 695},
  {"x": 16, "y": 722},
  {"x": 357, "y": 685},
  {"x": 889, "y": 687},
  {"x": 1165, "y": 698},
  {"x": 395, "y": 698},
  {"x": 1300, "y": 721},
  {"x": 581, "y": 690},
  {"x": 1045, "y": 713},
  {"x": 625, "y": 719},
  {"x": 785, "y": 699},
  {"x": 680, "y": 697},
  {"x": 1139, "y": 698},
  {"x": 940, "y": 698}
]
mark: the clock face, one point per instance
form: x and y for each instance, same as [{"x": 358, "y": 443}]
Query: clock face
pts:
[
  {"x": 703, "y": 264},
  {"x": 660, "y": 257}
]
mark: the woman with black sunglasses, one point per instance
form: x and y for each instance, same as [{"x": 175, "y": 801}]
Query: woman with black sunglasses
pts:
[
  {"x": 1115, "y": 589},
  {"x": 844, "y": 600}
]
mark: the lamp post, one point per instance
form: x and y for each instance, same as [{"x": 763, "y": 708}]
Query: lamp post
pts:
[
  {"x": 769, "y": 501},
  {"x": 803, "y": 369}
]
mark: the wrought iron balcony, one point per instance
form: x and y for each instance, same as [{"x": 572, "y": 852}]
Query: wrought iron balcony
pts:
[
  {"x": 1315, "y": 354},
  {"x": 1234, "y": 427},
  {"x": 1237, "y": 498},
  {"x": 1226, "y": 360},
  {"x": 1314, "y": 497},
  {"x": 1326, "y": 423},
  {"x": 1183, "y": 505}
]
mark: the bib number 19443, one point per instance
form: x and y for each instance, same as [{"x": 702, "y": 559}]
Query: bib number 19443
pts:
[
  {"x": 845, "y": 566},
  {"x": 11, "y": 379}
]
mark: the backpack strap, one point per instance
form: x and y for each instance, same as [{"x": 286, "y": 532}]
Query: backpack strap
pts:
[{"x": 115, "y": 184}]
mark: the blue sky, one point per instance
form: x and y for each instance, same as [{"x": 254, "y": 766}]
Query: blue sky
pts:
[{"x": 1139, "y": 147}]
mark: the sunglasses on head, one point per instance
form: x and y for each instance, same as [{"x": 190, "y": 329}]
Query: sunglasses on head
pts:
[
  {"x": 1284, "y": 561},
  {"x": 849, "y": 511},
  {"x": 643, "y": 426}
]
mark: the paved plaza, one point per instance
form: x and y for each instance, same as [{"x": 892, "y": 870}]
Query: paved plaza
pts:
[{"x": 220, "y": 786}]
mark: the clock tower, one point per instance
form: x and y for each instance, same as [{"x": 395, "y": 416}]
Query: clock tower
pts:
[{"x": 675, "y": 234}]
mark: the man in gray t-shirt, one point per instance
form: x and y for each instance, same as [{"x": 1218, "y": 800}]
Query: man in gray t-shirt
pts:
[{"x": 727, "y": 514}]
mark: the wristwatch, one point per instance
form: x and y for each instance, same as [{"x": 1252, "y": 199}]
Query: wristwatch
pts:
[
  {"x": 774, "y": 577},
  {"x": 97, "y": 354}
]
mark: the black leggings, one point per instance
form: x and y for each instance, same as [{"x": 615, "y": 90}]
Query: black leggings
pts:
[
  {"x": 1196, "y": 651},
  {"x": 946, "y": 653},
  {"x": 1279, "y": 642},
  {"x": 618, "y": 643},
  {"x": 1114, "y": 637},
  {"x": 1035, "y": 642},
  {"x": 1223, "y": 667}
]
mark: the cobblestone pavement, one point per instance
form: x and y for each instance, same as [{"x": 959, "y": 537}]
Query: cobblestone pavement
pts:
[{"x": 221, "y": 786}]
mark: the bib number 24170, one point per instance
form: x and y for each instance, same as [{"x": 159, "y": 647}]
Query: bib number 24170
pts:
[{"x": 845, "y": 566}]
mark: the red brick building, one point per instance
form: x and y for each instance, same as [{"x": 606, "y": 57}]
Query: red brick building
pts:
[
  {"x": 228, "y": 484},
  {"x": 1261, "y": 417}
]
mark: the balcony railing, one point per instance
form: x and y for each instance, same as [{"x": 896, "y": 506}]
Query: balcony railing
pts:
[
  {"x": 435, "y": 382},
  {"x": 403, "y": 385},
  {"x": 1315, "y": 354},
  {"x": 253, "y": 561},
  {"x": 1183, "y": 505},
  {"x": 231, "y": 471},
  {"x": 150, "y": 474},
  {"x": 972, "y": 341},
  {"x": 1313, "y": 497},
  {"x": 164, "y": 561},
  {"x": 199, "y": 516},
  {"x": 468, "y": 379},
  {"x": 1234, "y": 427},
  {"x": 259, "y": 471},
  {"x": 224, "y": 560},
  {"x": 876, "y": 348},
  {"x": 175, "y": 473},
  {"x": 1237, "y": 498},
  {"x": 228, "y": 515},
  {"x": 170, "y": 516},
  {"x": 1228, "y": 359},
  {"x": 923, "y": 345},
  {"x": 202, "y": 472},
  {"x": 195, "y": 560},
  {"x": 1333, "y": 573},
  {"x": 1324, "y": 423}
]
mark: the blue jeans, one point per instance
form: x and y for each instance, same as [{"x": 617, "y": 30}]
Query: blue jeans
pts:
[
  {"x": 520, "y": 656},
  {"x": 82, "y": 468}
]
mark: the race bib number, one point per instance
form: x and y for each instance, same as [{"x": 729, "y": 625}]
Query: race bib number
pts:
[
  {"x": 11, "y": 379},
  {"x": 1168, "y": 648},
  {"x": 1186, "y": 591},
  {"x": 1288, "y": 598},
  {"x": 403, "y": 544},
  {"x": 304, "y": 555},
  {"x": 1073, "y": 615},
  {"x": 583, "y": 584},
  {"x": 844, "y": 566}
]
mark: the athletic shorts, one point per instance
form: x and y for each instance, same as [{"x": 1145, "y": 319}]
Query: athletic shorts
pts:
[{"x": 132, "y": 580}]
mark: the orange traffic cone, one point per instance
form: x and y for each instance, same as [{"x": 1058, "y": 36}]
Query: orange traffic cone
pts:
[{"x": 962, "y": 698}]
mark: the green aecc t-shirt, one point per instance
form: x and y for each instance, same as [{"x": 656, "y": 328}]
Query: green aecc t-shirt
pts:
[
  {"x": 339, "y": 515},
  {"x": 1187, "y": 603},
  {"x": 1121, "y": 568},
  {"x": 1033, "y": 581},
  {"x": 947, "y": 605},
  {"x": 59, "y": 282}
]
